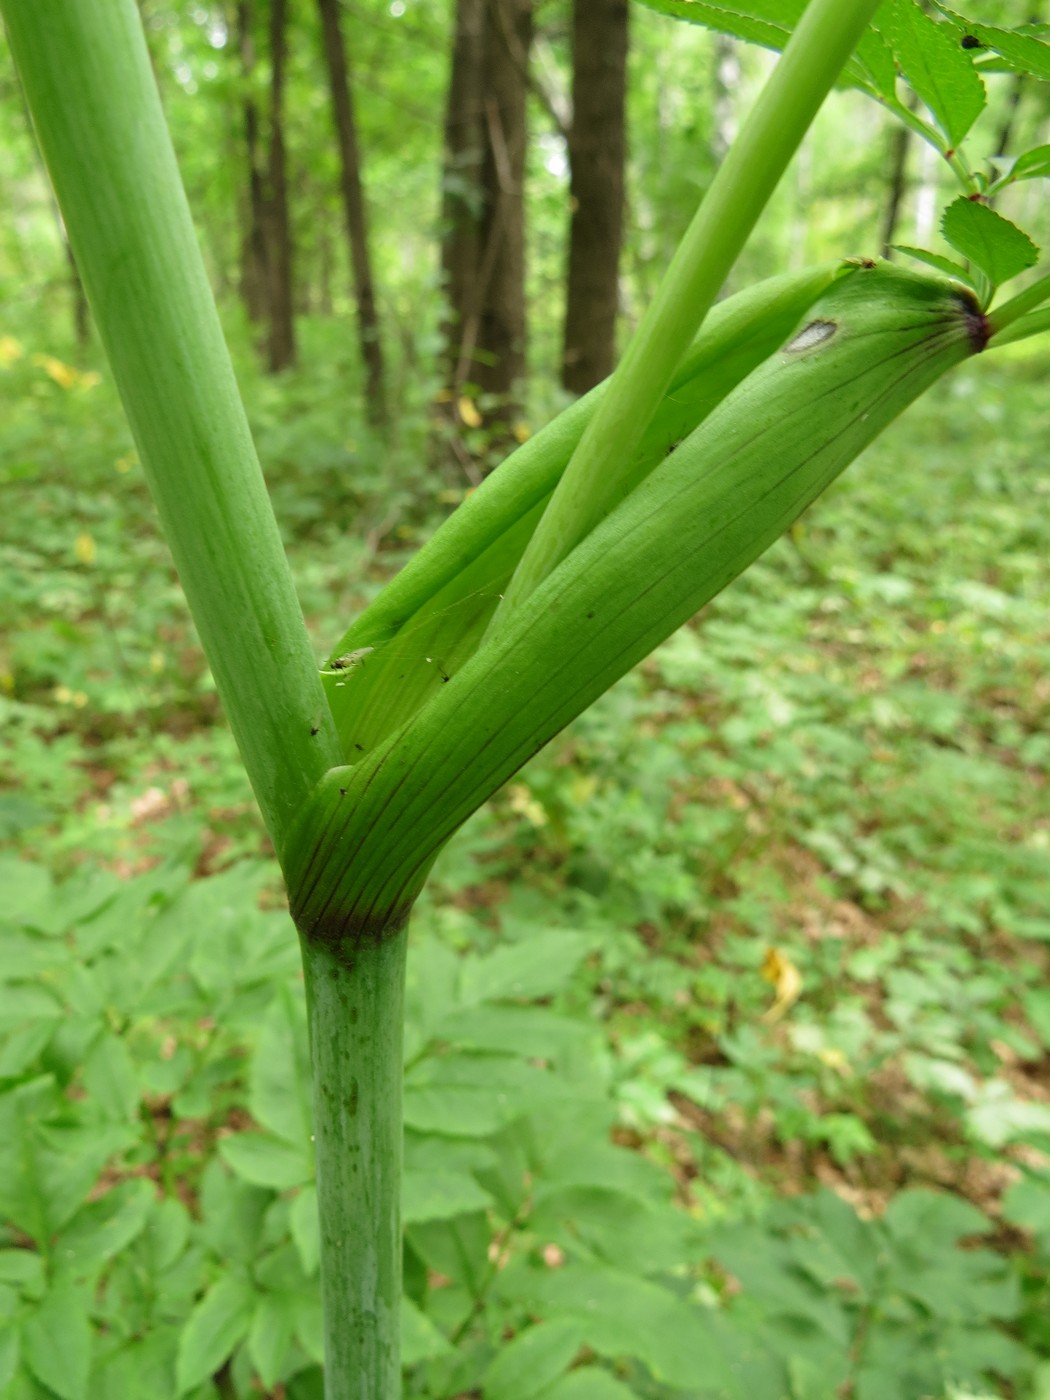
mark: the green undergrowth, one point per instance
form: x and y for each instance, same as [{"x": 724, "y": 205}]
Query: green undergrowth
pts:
[{"x": 728, "y": 1021}]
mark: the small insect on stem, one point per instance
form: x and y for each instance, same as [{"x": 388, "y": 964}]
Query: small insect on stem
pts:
[{"x": 350, "y": 659}]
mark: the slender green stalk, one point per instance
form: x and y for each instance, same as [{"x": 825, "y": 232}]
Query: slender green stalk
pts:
[
  {"x": 826, "y": 36},
  {"x": 1035, "y": 323},
  {"x": 355, "y": 1000},
  {"x": 89, "y": 86},
  {"x": 1010, "y": 311}
]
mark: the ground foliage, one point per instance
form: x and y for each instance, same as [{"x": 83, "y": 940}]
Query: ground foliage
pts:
[{"x": 728, "y": 1025}]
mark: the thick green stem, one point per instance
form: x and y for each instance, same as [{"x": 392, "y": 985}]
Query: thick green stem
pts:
[
  {"x": 355, "y": 1000},
  {"x": 815, "y": 55},
  {"x": 89, "y": 85}
]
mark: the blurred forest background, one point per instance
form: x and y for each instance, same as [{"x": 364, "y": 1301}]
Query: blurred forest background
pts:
[{"x": 729, "y": 1033}]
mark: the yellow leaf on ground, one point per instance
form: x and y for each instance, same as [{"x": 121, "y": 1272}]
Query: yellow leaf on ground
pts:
[
  {"x": 64, "y": 375},
  {"x": 10, "y": 351},
  {"x": 523, "y": 802},
  {"x": 468, "y": 412},
  {"x": 786, "y": 979},
  {"x": 84, "y": 549}
]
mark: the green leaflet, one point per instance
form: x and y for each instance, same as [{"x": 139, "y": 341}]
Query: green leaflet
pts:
[
  {"x": 431, "y": 618},
  {"x": 363, "y": 843}
]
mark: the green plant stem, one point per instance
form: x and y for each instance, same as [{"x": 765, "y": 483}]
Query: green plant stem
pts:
[
  {"x": 1010, "y": 311},
  {"x": 592, "y": 483},
  {"x": 1035, "y": 323},
  {"x": 355, "y": 1001},
  {"x": 90, "y": 89},
  {"x": 933, "y": 137}
]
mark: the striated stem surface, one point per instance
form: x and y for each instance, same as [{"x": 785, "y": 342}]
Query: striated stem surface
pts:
[{"x": 355, "y": 1001}]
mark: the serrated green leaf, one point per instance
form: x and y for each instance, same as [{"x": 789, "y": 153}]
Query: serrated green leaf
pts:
[
  {"x": 102, "y": 1228},
  {"x": 1027, "y": 1203},
  {"x": 279, "y": 1079},
  {"x": 458, "y": 1112},
  {"x": 531, "y": 1031},
  {"x": 263, "y": 1160},
  {"x": 769, "y": 23},
  {"x": 590, "y": 1383},
  {"x": 109, "y": 1078},
  {"x": 272, "y": 1329},
  {"x": 538, "y": 966},
  {"x": 440, "y": 1196},
  {"x": 29, "y": 896},
  {"x": 534, "y": 1360},
  {"x": 938, "y": 1219},
  {"x": 232, "y": 1213},
  {"x": 420, "y": 1339},
  {"x": 939, "y": 70},
  {"x": 166, "y": 1233},
  {"x": 457, "y": 1248},
  {"x": 10, "y": 1351},
  {"x": 46, "y": 1171},
  {"x": 214, "y": 1327},
  {"x": 1033, "y": 164},
  {"x": 620, "y": 1228},
  {"x": 309, "y": 1325},
  {"x": 24, "y": 1268},
  {"x": 999, "y": 248},
  {"x": 1024, "y": 51},
  {"x": 305, "y": 1229},
  {"x": 625, "y": 1316},
  {"x": 57, "y": 1340},
  {"x": 942, "y": 264}
]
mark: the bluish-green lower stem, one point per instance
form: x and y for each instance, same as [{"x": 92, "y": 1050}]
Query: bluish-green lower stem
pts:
[{"x": 355, "y": 1001}]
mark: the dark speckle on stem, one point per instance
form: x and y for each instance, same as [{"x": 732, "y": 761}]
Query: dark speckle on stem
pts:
[{"x": 352, "y": 1097}]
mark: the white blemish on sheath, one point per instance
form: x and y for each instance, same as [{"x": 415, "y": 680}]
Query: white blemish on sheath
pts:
[{"x": 816, "y": 333}]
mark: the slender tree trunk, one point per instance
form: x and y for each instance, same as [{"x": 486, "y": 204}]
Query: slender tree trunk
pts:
[
  {"x": 461, "y": 194},
  {"x": 354, "y": 204},
  {"x": 1013, "y": 102},
  {"x": 499, "y": 347},
  {"x": 597, "y": 149},
  {"x": 254, "y": 277},
  {"x": 900, "y": 144},
  {"x": 726, "y": 84},
  {"x": 279, "y": 242}
]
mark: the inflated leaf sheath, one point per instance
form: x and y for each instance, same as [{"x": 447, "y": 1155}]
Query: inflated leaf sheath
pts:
[{"x": 367, "y": 837}]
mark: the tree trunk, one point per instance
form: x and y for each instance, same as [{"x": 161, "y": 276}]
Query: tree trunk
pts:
[
  {"x": 597, "y": 149},
  {"x": 254, "y": 278},
  {"x": 499, "y": 351},
  {"x": 726, "y": 83},
  {"x": 279, "y": 242},
  {"x": 461, "y": 194},
  {"x": 354, "y": 204}
]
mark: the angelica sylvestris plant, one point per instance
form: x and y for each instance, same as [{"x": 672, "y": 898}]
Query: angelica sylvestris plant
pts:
[{"x": 581, "y": 553}]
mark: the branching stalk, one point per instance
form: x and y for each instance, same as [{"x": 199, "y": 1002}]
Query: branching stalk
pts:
[
  {"x": 1035, "y": 323},
  {"x": 1010, "y": 311},
  {"x": 815, "y": 55}
]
